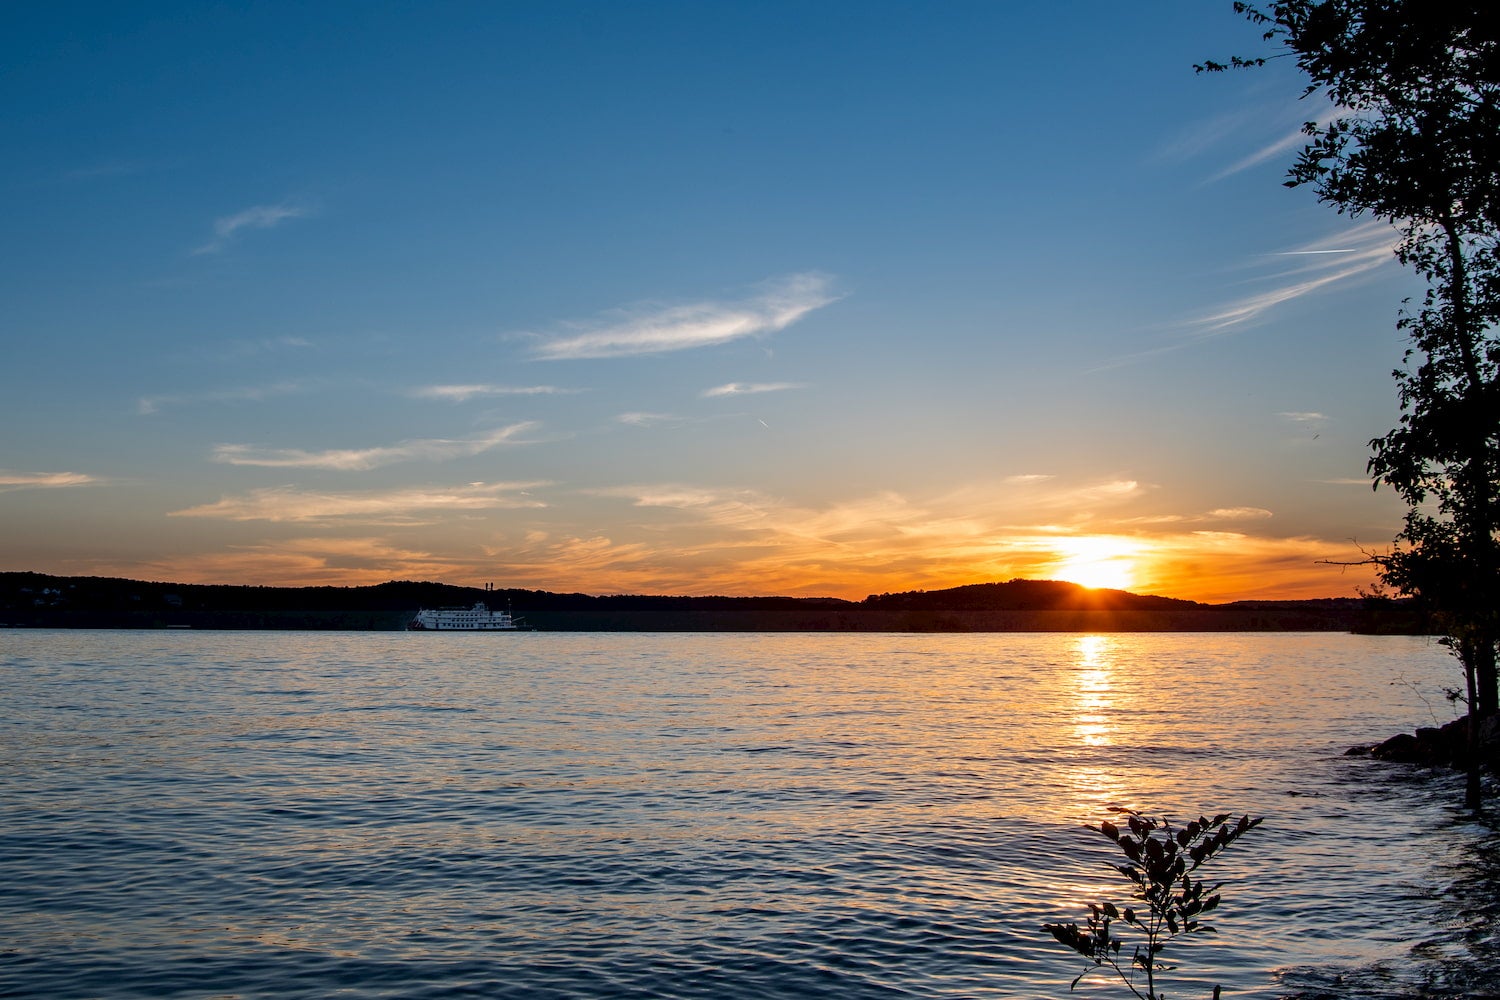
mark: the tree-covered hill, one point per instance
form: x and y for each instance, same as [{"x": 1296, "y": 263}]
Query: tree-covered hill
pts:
[{"x": 40, "y": 600}]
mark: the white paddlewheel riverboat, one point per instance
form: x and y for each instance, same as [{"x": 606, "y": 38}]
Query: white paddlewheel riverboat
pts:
[{"x": 479, "y": 618}]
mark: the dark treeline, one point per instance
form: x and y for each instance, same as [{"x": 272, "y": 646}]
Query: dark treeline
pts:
[
  {"x": 1027, "y": 595},
  {"x": 42, "y": 601}
]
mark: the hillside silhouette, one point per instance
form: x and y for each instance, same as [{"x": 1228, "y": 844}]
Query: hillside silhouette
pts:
[
  {"x": 1028, "y": 595},
  {"x": 43, "y": 601}
]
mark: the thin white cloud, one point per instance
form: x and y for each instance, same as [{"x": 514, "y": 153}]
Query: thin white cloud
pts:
[
  {"x": 975, "y": 508},
  {"x": 460, "y": 393},
  {"x": 251, "y": 393},
  {"x": 1119, "y": 489},
  {"x": 227, "y": 228},
  {"x": 1363, "y": 249},
  {"x": 646, "y": 419},
  {"x": 11, "y": 480},
  {"x": 1240, "y": 513},
  {"x": 778, "y": 305},
  {"x": 1027, "y": 479},
  {"x": 1252, "y": 307},
  {"x": 391, "y": 507},
  {"x": 1231, "y": 129},
  {"x": 360, "y": 459},
  {"x": 1306, "y": 253},
  {"x": 1245, "y": 513},
  {"x": 1276, "y": 148},
  {"x": 1342, "y": 258},
  {"x": 749, "y": 388},
  {"x": 1206, "y": 134},
  {"x": 1303, "y": 418}
]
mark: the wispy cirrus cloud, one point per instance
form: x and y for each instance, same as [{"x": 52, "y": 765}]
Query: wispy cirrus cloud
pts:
[
  {"x": 361, "y": 459},
  {"x": 640, "y": 419},
  {"x": 14, "y": 480},
  {"x": 963, "y": 517},
  {"x": 147, "y": 405},
  {"x": 1307, "y": 426},
  {"x": 420, "y": 505},
  {"x": 305, "y": 562},
  {"x": 1217, "y": 514},
  {"x": 227, "y": 228},
  {"x": 460, "y": 393},
  {"x": 1232, "y": 127},
  {"x": 1333, "y": 260},
  {"x": 1274, "y": 149},
  {"x": 1239, "y": 513},
  {"x": 749, "y": 389},
  {"x": 775, "y": 307},
  {"x": 1208, "y": 133},
  {"x": 1279, "y": 147},
  {"x": 1341, "y": 259}
]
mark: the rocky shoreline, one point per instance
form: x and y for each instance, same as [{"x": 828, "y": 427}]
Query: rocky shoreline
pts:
[{"x": 1440, "y": 746}]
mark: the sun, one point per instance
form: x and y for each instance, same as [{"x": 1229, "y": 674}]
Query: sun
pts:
[{"x": 1098, "y": 561}]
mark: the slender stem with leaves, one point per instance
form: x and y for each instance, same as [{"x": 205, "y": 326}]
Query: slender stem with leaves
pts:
[{"x": 1161, "y": 862}]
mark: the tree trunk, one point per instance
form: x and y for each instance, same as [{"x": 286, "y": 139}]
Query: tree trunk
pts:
[
  {"x": 1485, "y": 678},
  {"x": 1475, "y": 524},
  {"x": 1473, "y": 790}
]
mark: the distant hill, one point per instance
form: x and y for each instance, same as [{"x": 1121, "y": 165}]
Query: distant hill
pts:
[
  {"x": 1028, "y": 595},
  {"x": 40, "y": 600}
]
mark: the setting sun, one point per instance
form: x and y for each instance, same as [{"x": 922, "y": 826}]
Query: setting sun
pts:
[{"x": 1097, "y": 562}]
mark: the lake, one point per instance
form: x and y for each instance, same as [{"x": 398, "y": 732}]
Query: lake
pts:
[{"x": 361, "y": 815}]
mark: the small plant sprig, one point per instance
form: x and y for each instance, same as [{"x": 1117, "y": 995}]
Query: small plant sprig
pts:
[{"x": 1162, "y": 858}]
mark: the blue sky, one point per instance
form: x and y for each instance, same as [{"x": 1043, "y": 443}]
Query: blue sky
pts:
[{"x": 826, "y": 298}]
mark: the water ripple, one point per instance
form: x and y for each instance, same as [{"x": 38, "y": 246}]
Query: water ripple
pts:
[{"x": 369, "y": 815}]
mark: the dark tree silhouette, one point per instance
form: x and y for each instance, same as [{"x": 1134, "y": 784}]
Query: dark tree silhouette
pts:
[{"x": 1415, "y": 140}]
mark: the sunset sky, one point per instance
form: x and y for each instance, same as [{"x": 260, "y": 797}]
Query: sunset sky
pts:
[{"x": 828, "y": 298}]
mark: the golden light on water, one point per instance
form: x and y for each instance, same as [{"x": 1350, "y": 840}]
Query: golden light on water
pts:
[
  {"x": 1090, "y": 783},
  {"x": 1094, "y": 689}
]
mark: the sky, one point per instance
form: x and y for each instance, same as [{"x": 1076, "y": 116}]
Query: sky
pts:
[{"x": 815, "y": 299}]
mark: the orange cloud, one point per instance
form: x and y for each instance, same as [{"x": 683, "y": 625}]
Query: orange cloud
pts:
[
  {"x": 305, "y": 562},
  {"x": 1221, "y": 566},
  {"x": 684, "y": 539}
]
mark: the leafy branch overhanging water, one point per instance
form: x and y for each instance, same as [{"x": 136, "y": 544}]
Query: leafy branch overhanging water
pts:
[{"x": 1161, "y": 861}]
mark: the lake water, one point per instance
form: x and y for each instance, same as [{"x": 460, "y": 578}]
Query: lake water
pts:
[{"x": 264, "y": 814}]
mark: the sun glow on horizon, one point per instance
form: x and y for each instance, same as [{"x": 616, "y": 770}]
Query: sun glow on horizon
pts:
[{"x": 1098, "y": 562}]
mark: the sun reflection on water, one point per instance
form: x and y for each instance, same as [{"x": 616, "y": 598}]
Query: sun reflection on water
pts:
[
  {"x": 1093, "y": 779},
  {"x": 1095, "y": 688}
]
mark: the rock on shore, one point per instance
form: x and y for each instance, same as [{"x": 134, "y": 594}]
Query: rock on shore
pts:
[{"x": 1441, "y": 746}]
